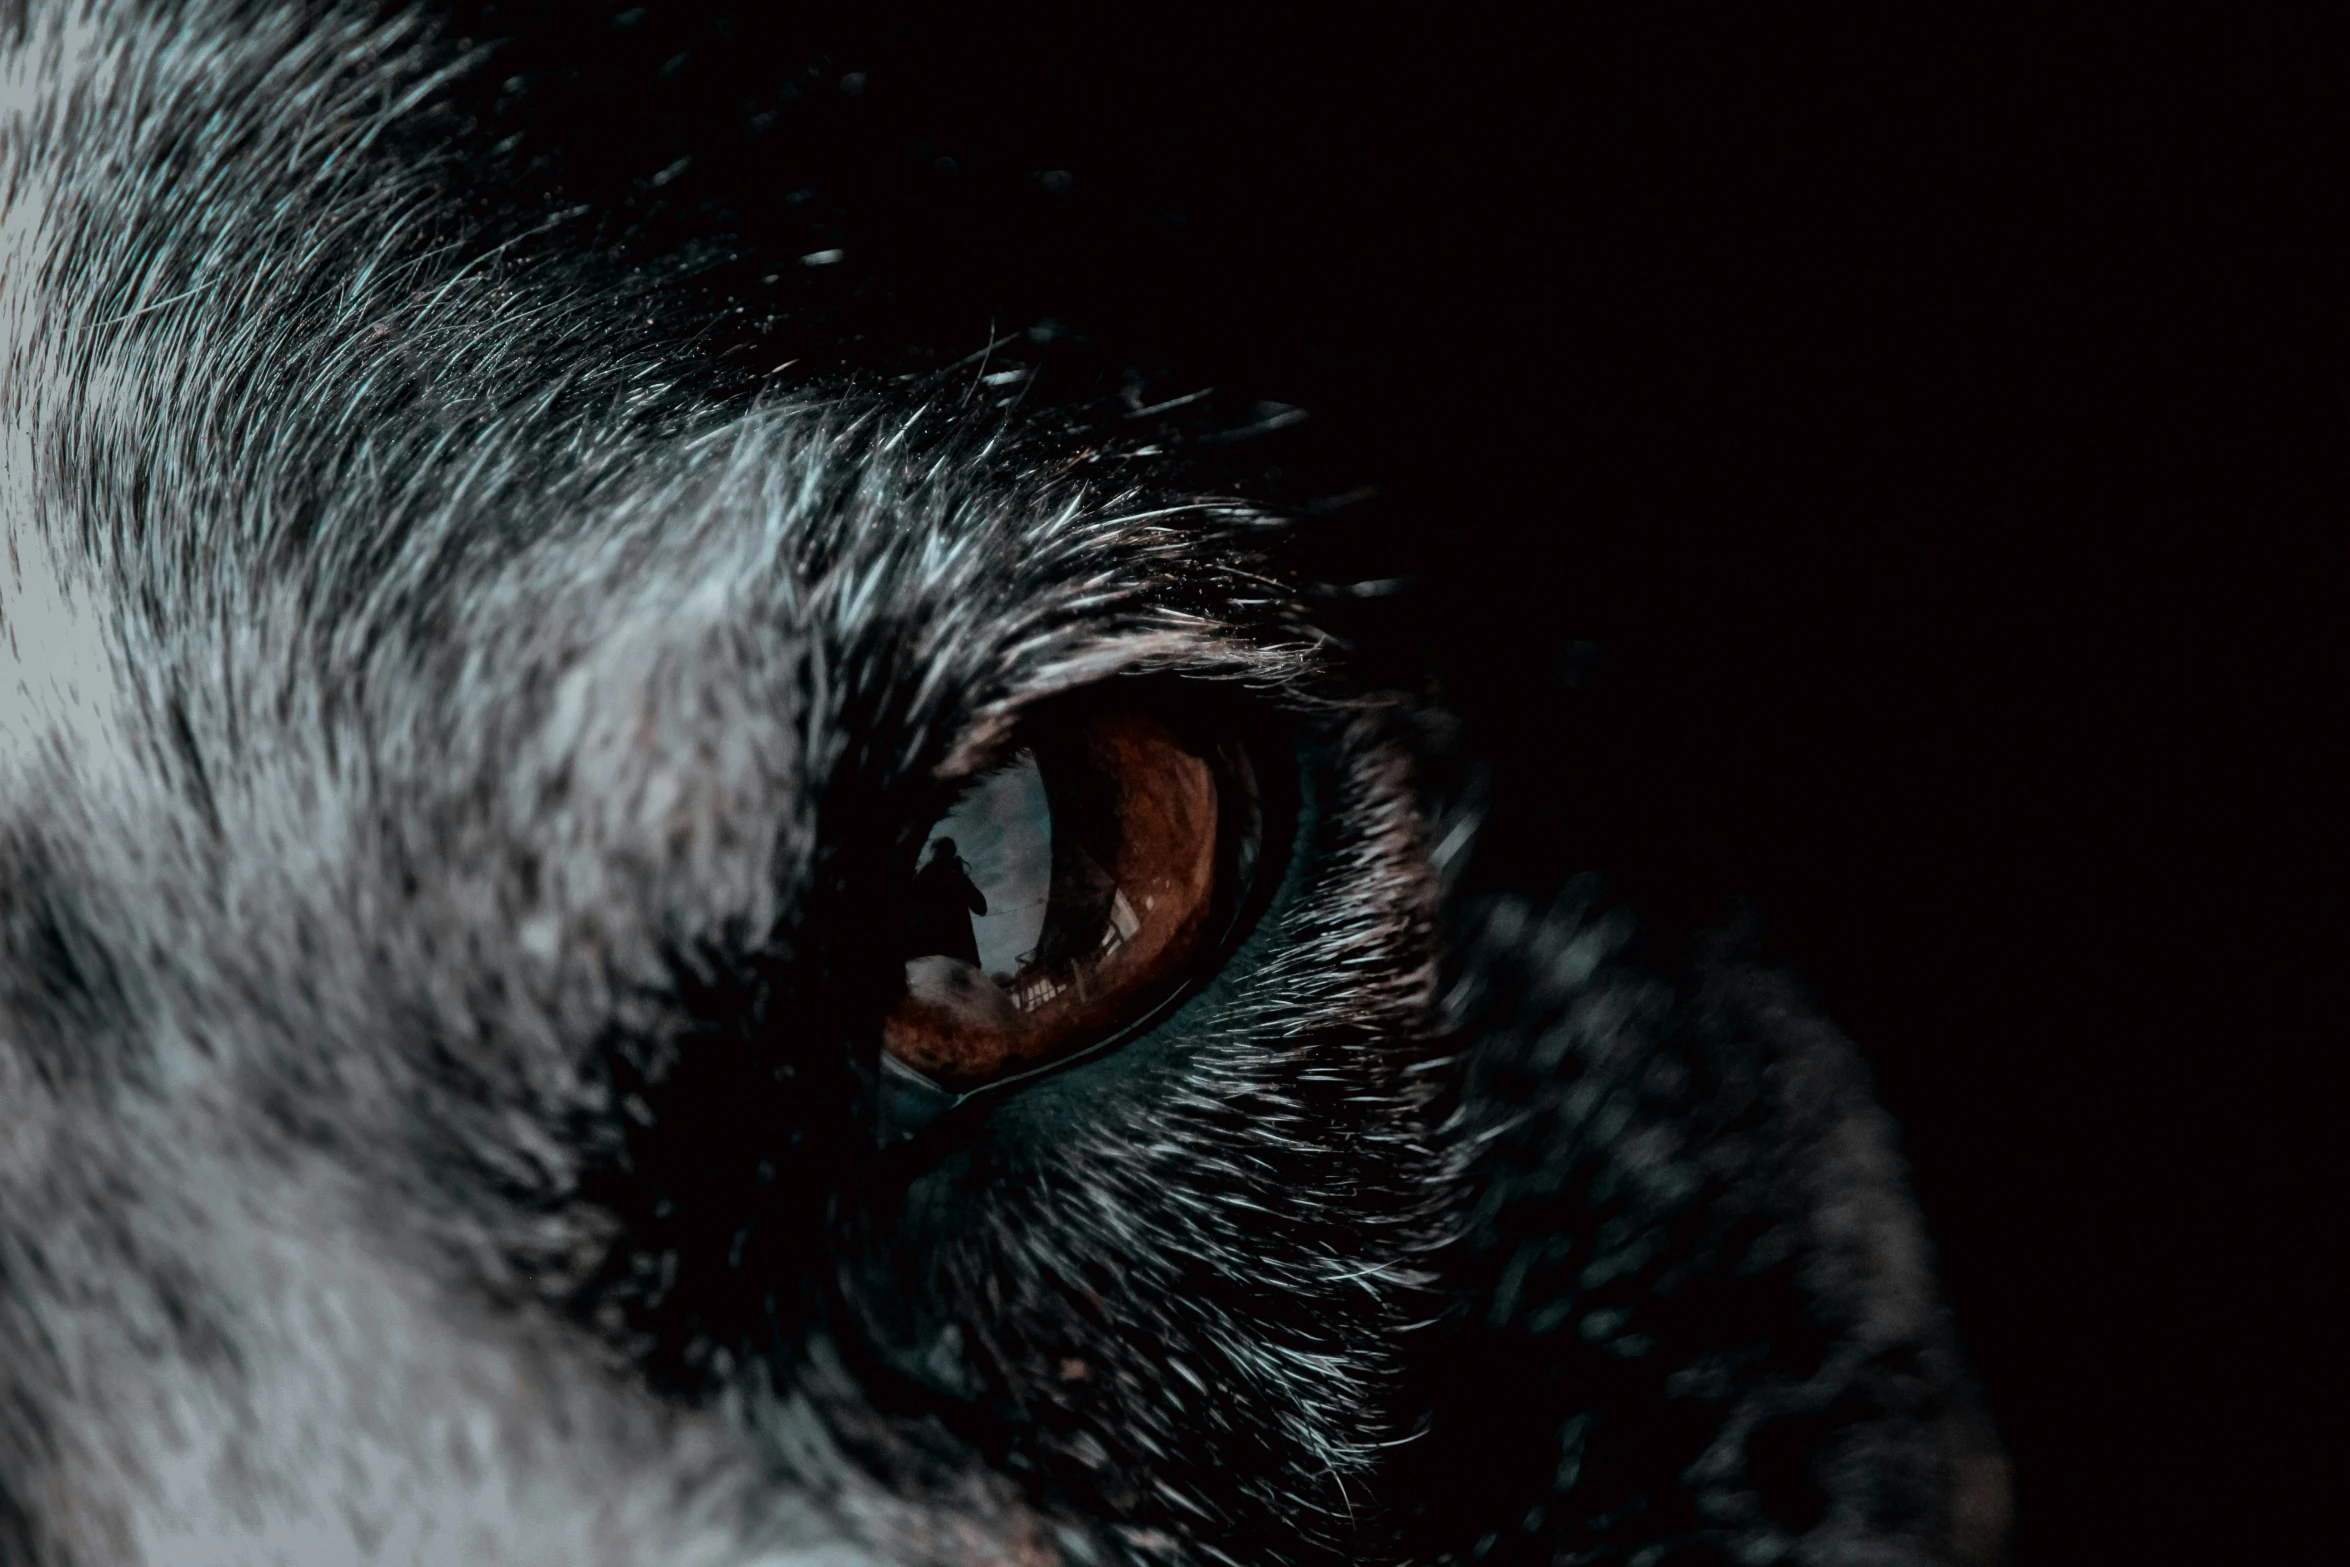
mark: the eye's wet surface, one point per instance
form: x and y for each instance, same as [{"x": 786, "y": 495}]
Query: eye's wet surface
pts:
[{"x": 1065, "y": 894}]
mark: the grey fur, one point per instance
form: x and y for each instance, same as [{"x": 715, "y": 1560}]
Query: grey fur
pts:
[{"x": 443, "y": 732}]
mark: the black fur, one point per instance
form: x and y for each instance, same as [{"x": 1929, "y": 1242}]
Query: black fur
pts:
[{"x": 457, "y": 746}]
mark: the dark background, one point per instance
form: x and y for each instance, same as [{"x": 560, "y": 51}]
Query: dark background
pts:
[{"x": 1886, "y": 473}]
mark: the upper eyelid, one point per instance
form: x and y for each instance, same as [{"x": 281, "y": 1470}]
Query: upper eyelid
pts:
[{"x": 1204, "y": 653}]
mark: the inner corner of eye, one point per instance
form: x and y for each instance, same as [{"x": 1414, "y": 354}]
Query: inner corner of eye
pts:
[{"x": 1068, "y": 891}]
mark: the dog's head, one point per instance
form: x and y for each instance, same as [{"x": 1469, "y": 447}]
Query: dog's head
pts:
[{"x": 598, "y": 967}]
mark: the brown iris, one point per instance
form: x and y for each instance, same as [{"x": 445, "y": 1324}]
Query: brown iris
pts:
[{"x": 1069, "y": 893}]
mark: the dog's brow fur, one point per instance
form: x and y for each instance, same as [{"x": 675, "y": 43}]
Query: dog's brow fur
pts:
[{"x": 453, "y": 751}]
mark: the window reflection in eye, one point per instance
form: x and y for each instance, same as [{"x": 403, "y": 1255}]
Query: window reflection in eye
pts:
[{"x": 1067, "y": 893}]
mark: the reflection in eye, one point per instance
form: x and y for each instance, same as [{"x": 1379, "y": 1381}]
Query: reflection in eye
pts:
[{"x": 1067, "y": 894}]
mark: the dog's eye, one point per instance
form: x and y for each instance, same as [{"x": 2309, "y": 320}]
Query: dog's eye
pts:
[{"x": 1069, "y": 895}]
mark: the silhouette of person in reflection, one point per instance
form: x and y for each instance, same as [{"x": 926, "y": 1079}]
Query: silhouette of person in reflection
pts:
[{"x": 940, "y": 908}]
